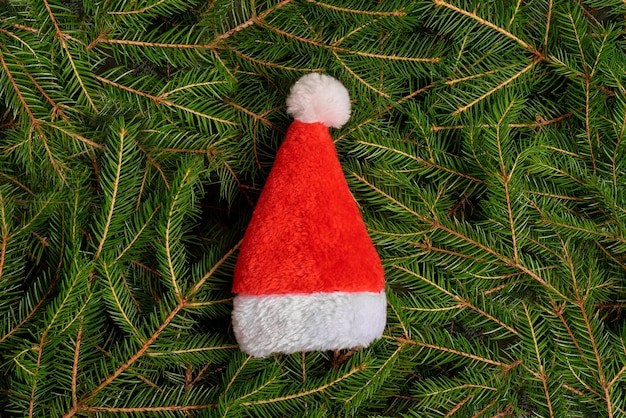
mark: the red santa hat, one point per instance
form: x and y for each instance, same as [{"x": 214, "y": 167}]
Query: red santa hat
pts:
[{"x": 308, "y": 276}]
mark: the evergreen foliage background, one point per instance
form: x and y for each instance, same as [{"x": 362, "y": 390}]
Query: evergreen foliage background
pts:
[{"x": 486, "y": 151}]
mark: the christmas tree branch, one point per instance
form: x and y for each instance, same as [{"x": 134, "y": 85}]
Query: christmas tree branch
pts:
[
  {"x": 337, "y": 49},
  {"x": 34, "y": 121},
  {"x": 158, "y": 100},
  {"x": 272, "y": 64},
  {"x": 548, "y": 19},
  {"x": 115, "y": 186},
  {"x": 461, "y": 302},
  {"x": 139, "y": 410},
  {"x": 541, "y": 122},
  {"x": 394, "y": 13},
  {"x": 139, "y": 232},
  {"x": 119, "y": 306},
  {"x": 376, "y": 376},
  {"x": 75, "y": 362},
  {"x": 505, "y": 366},
  {"x": 138, "y": 11},
  {"x": 378, "y": 113},
  {"x": 541, "y": 374},
  {"x": 484, "y": 22},
  {"x": 353, "y": 74},
  {"x": 427, "y": 163},
  {"x": 462, "y": 109},
  {"x": 506, "y": 179},
  {"x": 437, "y": 225},
  {"x": 307, "y": 392},
  {"x": 62, "y": 39}
]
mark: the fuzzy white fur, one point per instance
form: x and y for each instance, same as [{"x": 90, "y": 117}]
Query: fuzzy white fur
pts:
[
  {"x": 320, "y": 321},
  {"x": 319, "y": 98}
]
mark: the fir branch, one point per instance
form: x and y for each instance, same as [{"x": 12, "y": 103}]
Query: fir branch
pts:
[
  {"x": 27, "y": 318},
  {"x": 464, "y": 386},
  {"x": 148, "y": 44},
  {"x": 463, "y": 303},
  {"x": 34, "y": 121},
  {"x": 139, "y": 232},
  {"x": 168, "y": 235},
  {"x": 181, "y": 305},
  {"x": 190, "y": 86},
  {"x": 537, "y": 124},
  {"x": 74, "y": 135},
  {"x": 541, "y": 374},
  {"x": 486, "y": 408},
  {"x": 405, "y": 331},
  {"x": 56, "y": 109},
  {"x": 124, "y": 366},
  {"x": 548, "y": 19},
  {"x": 4, "y": 229},
  {"x": 62, "y": 39},
  {"x": 493, "y": 90},
  {"x": 387, "y": 108},
  {"x": 191, "y": 350},
  {"x": 506, "y": 179},
  {"x": 254, "y": 116},
  {"x": 602, "y": 380},
  {"x": 118, "y": 304},
  {"x": 138, "y": 11},
  {"x": 272, "y": 64},
  {"x": 427, "y": 163},
  {"x": 515, "y": 12},
  {"x": 375, "y": 376},
  {"x": 475, "y": 76},
  {"x": 75, "y": 364},
  {"x": 308, "y": 392},
  {"x": 115, "y": 184},
  {"x": 504, "y": 366},
  {"x": 459, "y": 405},
  {"x": 336, "y": 49},
  {"x": 33, "y": 388},
  {"x": 395, "y": 13},
  {"x": 212, "y": 271},
  {"x": 484, "y": 22},
  {"x": 437, "y": 225},
  {"x": 145, "y": 409},
  {"x": 18, "y": 183},
  {"x": 365, "y": 83},
  {"x": 212, "y": 45},
  {"x": 166, "y": 102},
  {"x": 20, "y": 40}
]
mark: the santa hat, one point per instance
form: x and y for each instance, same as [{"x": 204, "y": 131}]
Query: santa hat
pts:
[{"x": 308, "y": 276}]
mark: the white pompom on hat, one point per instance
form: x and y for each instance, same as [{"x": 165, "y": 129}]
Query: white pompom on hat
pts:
[{"x": 319, "y": 98}]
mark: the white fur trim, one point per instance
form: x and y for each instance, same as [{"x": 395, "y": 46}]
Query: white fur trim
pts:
[
  {"x": 319, "y": 98},
  {"x": 320, "y": 321}
]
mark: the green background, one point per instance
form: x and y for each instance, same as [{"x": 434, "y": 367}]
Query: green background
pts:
[{"x": 485, "y": 151}]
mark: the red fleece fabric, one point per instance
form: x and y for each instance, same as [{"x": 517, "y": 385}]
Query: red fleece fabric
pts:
[{"x": 306, "y": 234}]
